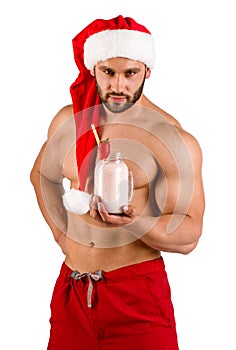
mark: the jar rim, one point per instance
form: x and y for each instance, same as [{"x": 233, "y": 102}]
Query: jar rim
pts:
[{"x": 116, "y": 156}]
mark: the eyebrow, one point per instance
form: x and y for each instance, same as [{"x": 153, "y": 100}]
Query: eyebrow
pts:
[{"x": 133, "y": 69}]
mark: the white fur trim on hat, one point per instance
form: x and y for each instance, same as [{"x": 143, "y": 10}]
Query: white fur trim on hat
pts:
[
  {"x": 132, "y": 44},
  {"x": 76, "y": 201}
]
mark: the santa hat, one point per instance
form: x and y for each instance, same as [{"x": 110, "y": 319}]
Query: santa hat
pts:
[{"x": 99, "y": 41}]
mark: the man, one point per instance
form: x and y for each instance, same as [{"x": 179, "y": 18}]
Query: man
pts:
[{"x": 112, "y": 291}]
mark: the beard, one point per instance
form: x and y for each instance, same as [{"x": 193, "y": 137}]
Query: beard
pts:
[{"x": 120, "y": 107}]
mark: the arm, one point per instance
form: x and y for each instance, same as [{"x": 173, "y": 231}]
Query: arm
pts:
[
  {"x": 49, "y": 192},
  {"x": 46, "y": 177},
  {"x": 179, "y": 227},
  {"x": 179, "y": 194}
]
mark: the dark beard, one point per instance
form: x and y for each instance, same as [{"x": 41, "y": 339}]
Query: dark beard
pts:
[{"x": 117, "y": 107}]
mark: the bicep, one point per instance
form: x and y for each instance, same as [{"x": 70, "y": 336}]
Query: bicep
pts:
[
  {"x": 46, "y": 165},
  {"x": 179, "y": 188}
]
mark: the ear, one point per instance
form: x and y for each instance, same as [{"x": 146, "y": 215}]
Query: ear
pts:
[
  {"x": 148, "y": 73},
  {"x": 92, "y": 72}
]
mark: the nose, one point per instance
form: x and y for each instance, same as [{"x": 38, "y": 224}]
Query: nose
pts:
[{"x": 118, "y": 83}]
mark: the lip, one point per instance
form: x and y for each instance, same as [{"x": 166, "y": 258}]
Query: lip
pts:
[{"x": 117, "y": 99}]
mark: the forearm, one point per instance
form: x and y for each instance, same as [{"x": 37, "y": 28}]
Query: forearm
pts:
[
  {"x": 170, "y": 232},
  {"x": 49, "y": 197}
]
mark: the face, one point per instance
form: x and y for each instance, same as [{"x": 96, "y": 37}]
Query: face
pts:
[{"x": 120, "y": 82}]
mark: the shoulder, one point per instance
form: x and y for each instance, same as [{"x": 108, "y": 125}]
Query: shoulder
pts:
[
  {"x": 176, "y": 141},
  {"x": 192, "y": 146},
  {"x": 58, "y": 144},
  {"x": 169, "y": 118},
  {"x": 64, "y": 115},
  {"x": 175, "y": 132}
]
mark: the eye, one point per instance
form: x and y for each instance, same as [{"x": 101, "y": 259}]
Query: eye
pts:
[
  {"x": 108, "y": 72},
  {"x": 129, "y": 73}
]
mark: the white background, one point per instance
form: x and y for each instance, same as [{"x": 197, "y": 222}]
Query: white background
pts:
[{"x": 194, "y": 80}]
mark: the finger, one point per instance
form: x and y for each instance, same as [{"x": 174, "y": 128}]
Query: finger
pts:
[
  {"x": 112, "y": 219},
  {"x": 106, "y": 217},
  {"x": 128, "y": 210},
  {"x": 93, "y": 207},
  {"x": 102, "y": 211}
]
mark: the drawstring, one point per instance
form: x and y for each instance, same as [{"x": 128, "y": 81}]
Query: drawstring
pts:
[{"x": 96, "y": 276}]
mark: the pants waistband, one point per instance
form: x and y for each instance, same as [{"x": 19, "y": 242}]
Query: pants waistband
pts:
[{"x": 125, "y": 272}]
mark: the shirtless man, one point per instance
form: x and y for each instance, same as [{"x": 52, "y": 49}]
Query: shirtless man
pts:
[{"x": 112, "y": 292}]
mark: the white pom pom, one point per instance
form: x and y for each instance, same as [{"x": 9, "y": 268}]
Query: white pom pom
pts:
[{"x": 76, "y": 201}]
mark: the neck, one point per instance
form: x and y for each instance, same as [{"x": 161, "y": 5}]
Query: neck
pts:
[{"x": 130, "y": 111}]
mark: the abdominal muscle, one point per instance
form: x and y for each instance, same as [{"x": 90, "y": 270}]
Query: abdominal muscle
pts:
[
  {"x": 90, "y": 259},
  {"x": 92, "y": 246}
]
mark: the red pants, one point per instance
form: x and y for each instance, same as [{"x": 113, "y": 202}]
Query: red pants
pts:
[{"x": 124, "y": 309}]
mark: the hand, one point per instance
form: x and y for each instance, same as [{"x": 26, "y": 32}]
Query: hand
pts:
[{"x": 99, "y": 213}]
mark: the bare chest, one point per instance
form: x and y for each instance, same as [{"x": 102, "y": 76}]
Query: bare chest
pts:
[{"x": 138, "y": 158}]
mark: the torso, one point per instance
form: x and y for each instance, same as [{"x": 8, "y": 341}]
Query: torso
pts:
[{"x": 91, "y": 246}]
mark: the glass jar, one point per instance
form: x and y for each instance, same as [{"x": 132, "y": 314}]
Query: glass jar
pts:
[{"x": 113, "y": 183}]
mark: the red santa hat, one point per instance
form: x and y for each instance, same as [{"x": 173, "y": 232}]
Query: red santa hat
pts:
[{"x": 99, "y": 41}]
